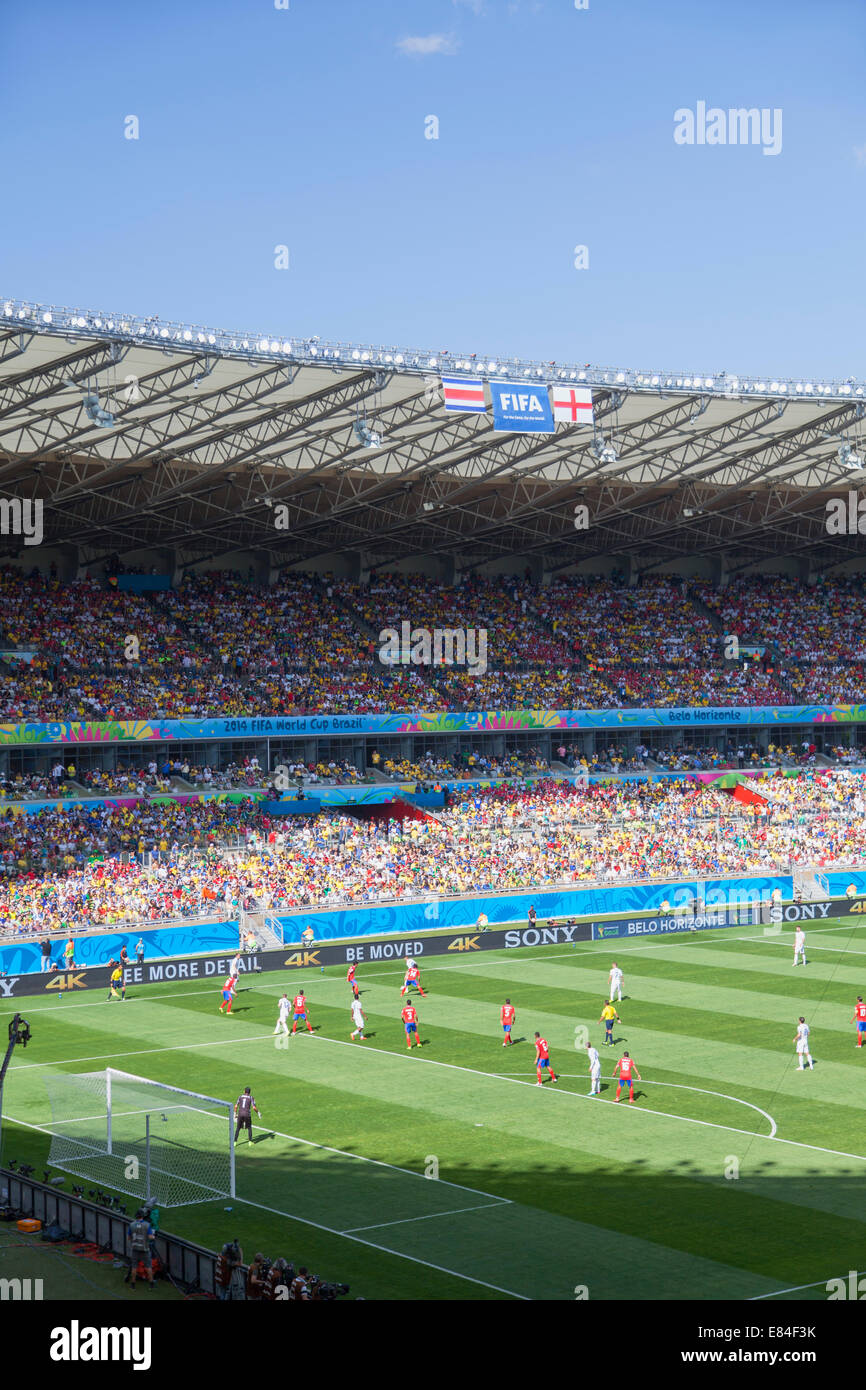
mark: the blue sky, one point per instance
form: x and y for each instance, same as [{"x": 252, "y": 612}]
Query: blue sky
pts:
[{"x": 305, "y": 127}]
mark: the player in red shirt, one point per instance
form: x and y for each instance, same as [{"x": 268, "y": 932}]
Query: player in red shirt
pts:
[
  {"x": 410, "y": 1021},
  {"x": 507, "y": 1015},
  {"x": 413, "y": 977},
  {"x": 228, "y": 993},
  {"x": 542, "y": 1058},
  {"x": 627, "y": 1069},
  {"x": 350, "y": 975},
  {"x": 860, "y": 1019},
  {"x": 299, "y": 1011}
]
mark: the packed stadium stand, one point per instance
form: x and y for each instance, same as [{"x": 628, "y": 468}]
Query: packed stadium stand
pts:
[{"x": 193, "y": 662}]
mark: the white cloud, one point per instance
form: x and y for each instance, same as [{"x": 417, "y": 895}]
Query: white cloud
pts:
[
  {"x": 422, "y": 45},
  {"x": 860, "y": 155}
]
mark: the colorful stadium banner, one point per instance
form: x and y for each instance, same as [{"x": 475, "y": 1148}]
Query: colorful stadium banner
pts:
[
  {"x": 521, "y": 409},
  {"x": 477, "y": 721}
]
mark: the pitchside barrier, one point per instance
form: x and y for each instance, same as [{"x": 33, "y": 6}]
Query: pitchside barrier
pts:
[
  {"x": 188, "y": 1264},
  {"x": 772, "y": 918},
  {"x": 457, "y": 913}
]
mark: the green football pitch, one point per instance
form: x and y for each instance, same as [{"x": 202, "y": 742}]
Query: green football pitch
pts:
[{"x": 447, "y": 1173}]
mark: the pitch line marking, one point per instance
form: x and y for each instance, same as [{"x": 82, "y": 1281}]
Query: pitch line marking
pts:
[
  {"x": 676, "y": 1085},
  {"x": 797, "y": 1288},
  {"x": 186, "y": 1047},
  {"x": 839, "y": 950},
  {"x": 431, "y": 1216},
  {"x": 684, "y": 1119},
  {"x": 332, "y": 1231},
  {"x": 386, "y": 1250},
  {"x": 294, "y": 1138}
]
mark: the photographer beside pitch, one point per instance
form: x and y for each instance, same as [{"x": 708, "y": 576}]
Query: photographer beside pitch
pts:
[
  {"x": 229, "y": 1281},
  {"x": 139, "y": 1237}
]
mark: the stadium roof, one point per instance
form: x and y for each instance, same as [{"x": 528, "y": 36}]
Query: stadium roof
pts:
[{"x": 210, "y": 435}]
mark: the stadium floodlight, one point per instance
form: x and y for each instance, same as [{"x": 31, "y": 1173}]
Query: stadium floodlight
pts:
[
  {"x": 96, "y": 412},
  {"x": 849, "y": 458},
  {"x": 369, "y": 438},
  {"x": 157, "y": 1142},
  {"x": 604, "y": 450}
]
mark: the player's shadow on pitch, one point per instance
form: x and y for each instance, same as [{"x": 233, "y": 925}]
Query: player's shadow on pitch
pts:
[{"x": 260, "y": 1138}]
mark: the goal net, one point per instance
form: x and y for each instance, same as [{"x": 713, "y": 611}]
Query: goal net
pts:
[{"x": 156, "y": 1142}]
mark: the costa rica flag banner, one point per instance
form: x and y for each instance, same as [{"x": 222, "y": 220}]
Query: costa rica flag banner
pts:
[{"x": 464, "y": 395}]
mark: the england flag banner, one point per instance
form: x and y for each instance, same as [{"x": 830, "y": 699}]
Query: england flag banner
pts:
[
  {"x": 463, "y": 395},
  {"x": 521, "y": 409},
  {"x": 572, "y": 405}
]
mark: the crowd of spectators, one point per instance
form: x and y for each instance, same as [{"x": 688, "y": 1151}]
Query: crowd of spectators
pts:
[
  {"x": 66, "y": 871},
  {"x": 822, "y": 622},
  {"x": 503, "y": 608},
  {"x": 222, "y": 646},
  {"x": 434, "y": 767}
]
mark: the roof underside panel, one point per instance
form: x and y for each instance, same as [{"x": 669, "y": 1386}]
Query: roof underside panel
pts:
[{"x": 213, "y": 448}]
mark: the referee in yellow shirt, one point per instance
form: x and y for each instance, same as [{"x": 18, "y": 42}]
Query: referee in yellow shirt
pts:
[
  {"x": 117, "y": 979},
  {"x": 609, "y": 1017}
]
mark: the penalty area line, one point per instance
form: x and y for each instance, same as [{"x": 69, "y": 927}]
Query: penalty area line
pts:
[
  {"x": 386, "y": 1250},
  {"x": 430, "y": 1216},
  {"x": 359, "y": 1240}
]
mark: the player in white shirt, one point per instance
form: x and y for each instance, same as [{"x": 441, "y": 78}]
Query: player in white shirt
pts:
[
  {"x": 799, "y": 945},
  {"x": 283, "y": 1020},
  {"x": 802, "y": 1044},
  {"x": 594, "y": 1069},
  {"x": 615, "y": 981},
  {"x": 358, "y": 1018}
]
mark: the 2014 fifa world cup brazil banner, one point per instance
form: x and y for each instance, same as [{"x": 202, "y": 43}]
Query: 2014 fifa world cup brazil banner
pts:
[{"x": 476, "y": 721}]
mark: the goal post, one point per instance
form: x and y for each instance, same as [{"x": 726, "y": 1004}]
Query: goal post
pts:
[{"x": 154, "y": 1141}]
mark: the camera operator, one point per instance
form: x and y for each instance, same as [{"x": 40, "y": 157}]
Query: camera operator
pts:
[
  {"x": 256, "y": 1276},
  {"x": 280, "y": 1275},
  {"x": 299, "y": 1289},
  {"x": 139, "y": 1236},
  {"x": 228, "y": 1273}
]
